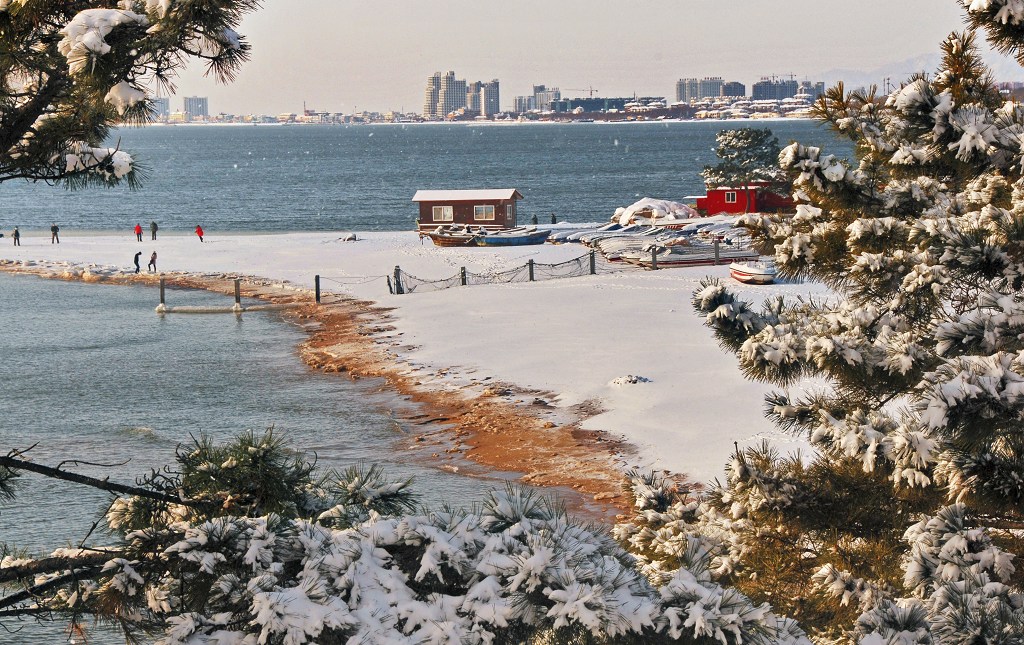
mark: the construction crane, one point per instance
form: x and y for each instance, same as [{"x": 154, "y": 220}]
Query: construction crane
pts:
[{"x": 590, "y": 90}]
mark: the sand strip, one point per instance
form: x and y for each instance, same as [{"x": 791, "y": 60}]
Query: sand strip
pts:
[{"x": 500, "y": 427}]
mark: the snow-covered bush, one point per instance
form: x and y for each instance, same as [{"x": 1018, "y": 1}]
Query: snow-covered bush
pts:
[{"x": 245, "y": 543}]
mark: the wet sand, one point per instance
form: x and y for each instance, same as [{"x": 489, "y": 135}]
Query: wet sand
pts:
[{"x": 499, "y": 427}]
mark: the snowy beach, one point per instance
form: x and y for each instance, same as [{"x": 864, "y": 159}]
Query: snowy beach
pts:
[{"x": 557, "y": 351}]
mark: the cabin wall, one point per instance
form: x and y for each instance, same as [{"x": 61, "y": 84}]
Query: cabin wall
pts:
[
  {"x": 714, "y": 203},
  {"x": 463, "y": 214}
]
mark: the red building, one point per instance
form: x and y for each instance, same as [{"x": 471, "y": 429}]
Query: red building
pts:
[
  {"x": 725, "y": 199},
  {"x": 489, "y": 209}
]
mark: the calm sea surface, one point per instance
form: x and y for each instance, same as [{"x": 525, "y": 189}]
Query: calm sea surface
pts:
[
  {"x": 318, "y": 178},
  {"x": 90, "y": 372}
]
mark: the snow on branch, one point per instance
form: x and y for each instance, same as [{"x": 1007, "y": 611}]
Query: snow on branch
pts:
[{"x": 85, "y": 36}]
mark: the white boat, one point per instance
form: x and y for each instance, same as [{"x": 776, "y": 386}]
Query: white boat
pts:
[{"x": 753, "y": 272}]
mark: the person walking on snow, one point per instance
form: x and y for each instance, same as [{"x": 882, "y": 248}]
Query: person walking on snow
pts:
[
  {"x": 199, "y": 232},
  {"x": 137, "y": 267},
  {"x": 152, "y": 229},
  {"x": 17, "y": 236},
  {"x": 138, "y": 232},
  {"x": 53, "y": 233},
  {"x": 152, "y": 262}
]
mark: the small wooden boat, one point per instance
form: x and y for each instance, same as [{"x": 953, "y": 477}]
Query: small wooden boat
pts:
[
  {"x": 753, "y": 272},
  {"x": 687, "y": 256},
  {"x": 513, "y": 237},
  {"x": 451, "y": 238}
]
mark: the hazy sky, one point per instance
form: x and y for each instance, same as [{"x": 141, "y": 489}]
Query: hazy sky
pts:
[{"x": 340, "y": 56}]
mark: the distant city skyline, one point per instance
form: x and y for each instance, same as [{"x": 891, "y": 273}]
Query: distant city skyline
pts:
[{"x": 339, "y": 56}]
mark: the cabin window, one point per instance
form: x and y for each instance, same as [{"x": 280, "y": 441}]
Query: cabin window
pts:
[
  {"x": 509, "y": 212},
  {"x": 483, "y": 212},
  {"x": 444, "y": 213},
  {"x": 730, "y": 197}
]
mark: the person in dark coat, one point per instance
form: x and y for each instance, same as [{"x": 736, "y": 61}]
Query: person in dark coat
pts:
[
  {"x": 17, "y": 236},
  {"x": 152, "y": 262},
  {"x": 137, "y": 267},
  {"x": 152, "y": 229},
  {"x": 138, "y": 232},
  {"x": 53, "y": 233},
  {"x": 199, "y": 232}
]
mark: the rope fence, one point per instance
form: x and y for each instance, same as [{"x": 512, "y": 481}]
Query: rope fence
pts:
[{"x": 402, "y": 282}]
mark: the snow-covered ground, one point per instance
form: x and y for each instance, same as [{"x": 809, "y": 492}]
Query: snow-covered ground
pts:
[{"x": 573, "y": 338}]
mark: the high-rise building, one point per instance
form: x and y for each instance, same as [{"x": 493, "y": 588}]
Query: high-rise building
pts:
[
  {"x": 197, "y": 107},
  {"x": 543, "y": 96},
  {"x": 446, "y": 94},
  {"x": 689, "y": 90},
  {"x": 774, "y": 89},
  {"x": 710, "y": 87},
  {"x": 523, "y": 104},
  {"x": 814, "y": 90},
  {"x": 734, "y": 89},
  {"x": 490, "y": 98},
  {"x": 451, "y": 97},
  {"x": 430, "y": 96},
  {"x": 473, "y": 102},
  {"x": 686, "y": 90},
  {"x": 161, "y": 106}
]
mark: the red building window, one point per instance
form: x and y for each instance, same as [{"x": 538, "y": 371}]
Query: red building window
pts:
[
  {"x": 483, "y": 212},
  {"x": 730, "y": 197}
]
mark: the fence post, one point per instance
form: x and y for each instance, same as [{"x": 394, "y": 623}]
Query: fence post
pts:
[
  {"x": 238, "y": 292},
  {"x": 593, "y": 262},
  {"x": 462, "y": 274},
  {"x": 398, "y": 280},
  {"x": 163, "y": 284},
  {"x": 716, "y": 251},
  {"x": 316, "y": 283},
  {"x": 529, "y": 264},
  {"x": 654, "y": 259}
]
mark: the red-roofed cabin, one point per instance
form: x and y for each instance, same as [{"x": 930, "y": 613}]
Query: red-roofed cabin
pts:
[
  {"x": 725, "y": 199},
  {"x": 489, "y": 209}
]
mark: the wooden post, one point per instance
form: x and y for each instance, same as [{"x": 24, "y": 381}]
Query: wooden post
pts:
[
  {"x": 462, "y": 274},
  {"x": 398, "y": 279},
  {"x": 593, "y": 262},
  {"x": 316, "y": 283},
  {"x": 163, "y": 285},
  {"x": 654, "y": 259},
  {"x": 529, "y": 264},
  {"x": 716, "y": 251},
  {"x": 238, "y": 293}
]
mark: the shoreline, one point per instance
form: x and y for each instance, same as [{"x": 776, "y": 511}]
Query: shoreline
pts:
[{"x": 499, "y": 429}]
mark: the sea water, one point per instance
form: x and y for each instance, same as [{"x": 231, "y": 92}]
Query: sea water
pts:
[
  {"x": 91, "y": 374},
  {"x": 362, "y": 178}
]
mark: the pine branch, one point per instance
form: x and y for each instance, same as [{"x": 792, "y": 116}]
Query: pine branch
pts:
[
  {"x": 52, "y": 565},
  {"x": 102, "y": 484},
  {"x": 32, "y": 592}
]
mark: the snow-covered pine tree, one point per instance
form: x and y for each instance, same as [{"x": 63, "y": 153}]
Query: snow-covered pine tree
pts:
[
  {"x": 748, "y": 156},
  {"x": 919, "y": 353},
  {"x": 71, "y": 70},
  {"x": 245, "y": 543}
]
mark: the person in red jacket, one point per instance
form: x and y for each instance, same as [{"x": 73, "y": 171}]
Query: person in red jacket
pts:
[
  {"x": 199, "y": 232},
  {"x": 138, "y": 232}
]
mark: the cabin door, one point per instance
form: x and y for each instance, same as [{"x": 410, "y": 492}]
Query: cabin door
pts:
[{"x": 510, "y": 215}]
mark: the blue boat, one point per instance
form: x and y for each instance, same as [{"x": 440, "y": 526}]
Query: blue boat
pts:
[{"x": 513, "y": 237}]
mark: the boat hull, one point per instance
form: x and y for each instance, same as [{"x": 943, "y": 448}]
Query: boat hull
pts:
[
  {"x": 441, "y": 239},
  {"x": 751, "y": 274},
  {"x": 513, "y": 240}
]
